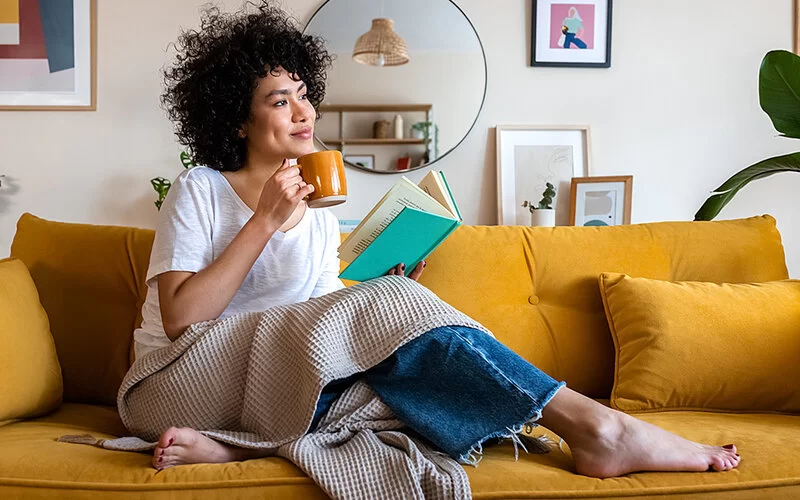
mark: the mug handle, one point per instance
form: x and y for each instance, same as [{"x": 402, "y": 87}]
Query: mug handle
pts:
[{"x": 300, "y": 168}]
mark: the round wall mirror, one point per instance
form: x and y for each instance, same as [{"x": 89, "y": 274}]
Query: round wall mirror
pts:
[{"x": 413, "y": 90}]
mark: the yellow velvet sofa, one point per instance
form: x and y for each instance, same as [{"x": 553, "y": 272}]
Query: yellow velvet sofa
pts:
[{"x": 535, "y": 288}]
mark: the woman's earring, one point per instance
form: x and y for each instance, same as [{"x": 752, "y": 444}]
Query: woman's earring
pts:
[{"x": 242, "y": 134}]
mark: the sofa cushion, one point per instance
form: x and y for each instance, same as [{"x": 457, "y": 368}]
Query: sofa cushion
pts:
[
  {"x": 34, "y": 465},
  {"x": 30, "y": 376},
  {"x": 696, "y": 345},
  {"x": 91, "y": 283},
  {"x": 536, "y": 288}
]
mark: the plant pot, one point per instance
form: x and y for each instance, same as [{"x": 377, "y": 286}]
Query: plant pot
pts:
[
  {"x": 543, "y": 217},
  {"x": 417, "y": 134}
]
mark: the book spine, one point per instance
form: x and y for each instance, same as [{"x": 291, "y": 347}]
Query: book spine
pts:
[{"x": 450, "y": 193}]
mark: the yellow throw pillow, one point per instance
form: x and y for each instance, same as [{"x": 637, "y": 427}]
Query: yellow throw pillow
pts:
[
  {"x": 695, "y": 345},
  {"x": 30, "y": 376}
]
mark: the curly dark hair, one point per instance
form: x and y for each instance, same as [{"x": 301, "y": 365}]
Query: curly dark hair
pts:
[{"x": 210, "y": 86}]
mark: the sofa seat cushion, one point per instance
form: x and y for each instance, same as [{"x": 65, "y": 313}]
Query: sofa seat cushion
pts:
[{"x": 34, "y": 465}]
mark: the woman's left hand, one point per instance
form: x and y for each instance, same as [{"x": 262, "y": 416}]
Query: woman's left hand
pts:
[{"x": 399, "y": 270}]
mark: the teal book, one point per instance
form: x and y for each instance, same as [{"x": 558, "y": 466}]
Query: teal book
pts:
[{"x": 406, "y": 226}]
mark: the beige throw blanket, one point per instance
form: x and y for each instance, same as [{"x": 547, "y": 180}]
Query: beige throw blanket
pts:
[{"x": 253, "y": 380}]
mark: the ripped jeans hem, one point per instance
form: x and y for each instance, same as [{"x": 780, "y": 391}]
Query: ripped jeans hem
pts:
[{"x": 475, "y": 453}]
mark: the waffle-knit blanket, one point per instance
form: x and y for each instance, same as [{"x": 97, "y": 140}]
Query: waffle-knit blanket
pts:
[{"x": 253, "y": 380}]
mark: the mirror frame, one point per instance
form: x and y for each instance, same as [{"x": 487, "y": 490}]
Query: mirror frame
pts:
[{"x": 472, "y": 126}]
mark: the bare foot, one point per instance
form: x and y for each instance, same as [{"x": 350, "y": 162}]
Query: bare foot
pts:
[
  {"x": 608, "y": 443},
  {"x": 184, "y": 445},
  {"x": 620, "y": 444}
]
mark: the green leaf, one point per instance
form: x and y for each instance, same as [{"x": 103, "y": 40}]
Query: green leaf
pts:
[
  {"x": 779, "y": 91},
  {"x": 186, "y": 160},
  {"x": 723, "y": 194}
]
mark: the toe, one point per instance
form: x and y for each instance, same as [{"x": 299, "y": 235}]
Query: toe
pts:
[
  {"x": 719, "y": 462},
  {"x": 730, "y": 447},
  {"x": 168, "y": 437}
]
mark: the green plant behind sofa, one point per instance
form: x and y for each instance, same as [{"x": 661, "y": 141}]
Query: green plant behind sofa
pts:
[
  {"x": 779, "y": 95},
  {"x": 162, "y": 185}
]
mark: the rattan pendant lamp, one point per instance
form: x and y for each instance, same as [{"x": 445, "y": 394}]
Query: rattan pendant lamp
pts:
[{"x": 381, "y": 46}]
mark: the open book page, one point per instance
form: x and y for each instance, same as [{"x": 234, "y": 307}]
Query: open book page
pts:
[
  {"x": 403, "y": 194},
  {"x": 433, "y": 184}
]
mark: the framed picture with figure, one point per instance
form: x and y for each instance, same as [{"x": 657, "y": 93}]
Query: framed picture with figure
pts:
[
  {"x": 571, "y": 34},
  {"x": 530, "y": 156},
  {"x": 601, "y": 201}
]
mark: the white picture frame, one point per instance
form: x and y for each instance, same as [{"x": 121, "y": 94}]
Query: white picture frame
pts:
[
  {"x": 366, "y": 161},
  {"x": 48, "y": 82},
  {"x": 529, "y": 156}
]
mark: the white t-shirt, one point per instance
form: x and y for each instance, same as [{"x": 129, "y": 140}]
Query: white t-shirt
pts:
[{"x": 200, "y": 217}]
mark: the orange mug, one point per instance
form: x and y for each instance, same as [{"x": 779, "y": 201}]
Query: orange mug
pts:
[{"x": 325, "y": 171}]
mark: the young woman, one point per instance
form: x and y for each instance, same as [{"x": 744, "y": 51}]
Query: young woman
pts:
[{"x": 235, "y": 236}]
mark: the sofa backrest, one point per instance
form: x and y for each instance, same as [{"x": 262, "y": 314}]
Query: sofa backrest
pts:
[
  {"x": 91, "y": 283},
  {"x": 535, "y": 288}
]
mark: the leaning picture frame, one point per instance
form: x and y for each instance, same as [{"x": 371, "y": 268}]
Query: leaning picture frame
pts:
[
  {"x": 575, "y": 34},
  {"x": 366, "y": 161},
  {"x": 530, "y": 156},
  {"x": 48, "y": 56},
  {"x": 601, "y": 201}
]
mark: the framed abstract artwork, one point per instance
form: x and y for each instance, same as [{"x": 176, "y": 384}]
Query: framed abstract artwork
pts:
[
  {"x": 571, "y": 34},
  {"x": 530, "y": 156},
  {"x": 796, "y": 8},
  {"x": 48, "y": 54},
  {"x": 601, "y": 201}
]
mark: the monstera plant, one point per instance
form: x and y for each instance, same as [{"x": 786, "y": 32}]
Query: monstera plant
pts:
[{"x": 779, "y": 95}]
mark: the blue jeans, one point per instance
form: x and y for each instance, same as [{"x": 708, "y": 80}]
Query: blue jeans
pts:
[
  {"x": 570, "y": 38},
  {"x": 455, "y": 386}
]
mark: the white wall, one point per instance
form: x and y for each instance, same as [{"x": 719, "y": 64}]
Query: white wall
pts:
[{"x": 678, "y": 110}]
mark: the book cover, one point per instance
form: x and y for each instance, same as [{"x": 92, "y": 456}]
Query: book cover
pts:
[
  {"x": 403, "y": 194},
  {"x": 409, "y": 239}
]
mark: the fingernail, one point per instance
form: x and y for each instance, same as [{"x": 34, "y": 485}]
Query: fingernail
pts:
[{"x": 728, "y": 446}]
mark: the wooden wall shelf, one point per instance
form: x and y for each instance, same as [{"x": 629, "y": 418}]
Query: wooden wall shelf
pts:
[
  {"x": 376, "y": 108},
  {"x": 347, "y": 136},
  {"x": 358, "y": 141}
]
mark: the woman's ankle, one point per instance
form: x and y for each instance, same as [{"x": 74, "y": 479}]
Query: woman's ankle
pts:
[{"x": 575, "y": 417}]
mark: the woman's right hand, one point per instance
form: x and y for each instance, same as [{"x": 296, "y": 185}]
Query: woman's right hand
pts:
[{"x": 281, "y": 194}]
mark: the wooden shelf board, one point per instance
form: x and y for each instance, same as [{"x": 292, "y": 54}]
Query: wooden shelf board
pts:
[
  {"x": 373, "y": 141},
  {"x": 349, "y": 108}
]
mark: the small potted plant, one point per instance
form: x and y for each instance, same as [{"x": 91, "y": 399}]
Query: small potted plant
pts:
[
  {"x": 543, "y": 214},
  {"x": 422, "y": 130}
]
